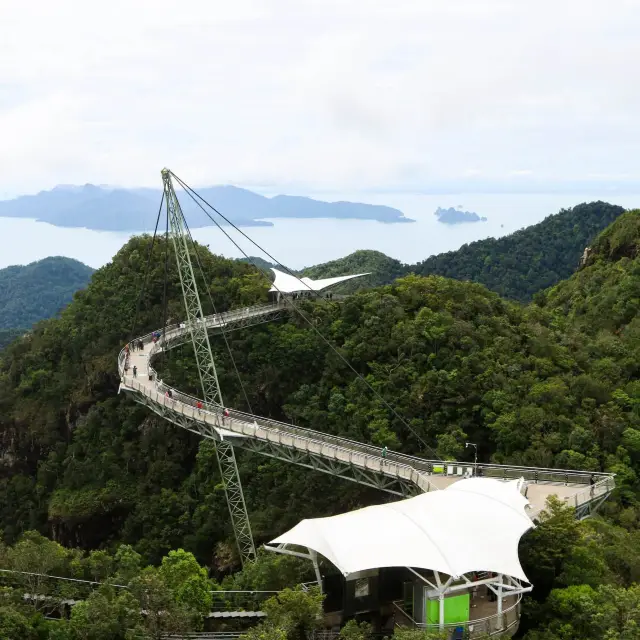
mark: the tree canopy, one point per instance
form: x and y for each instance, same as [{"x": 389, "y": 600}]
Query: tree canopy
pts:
[{"x": 519, "y": 265}]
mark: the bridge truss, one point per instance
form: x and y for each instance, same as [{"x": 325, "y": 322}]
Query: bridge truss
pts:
[{"x": 212, "y": 394}]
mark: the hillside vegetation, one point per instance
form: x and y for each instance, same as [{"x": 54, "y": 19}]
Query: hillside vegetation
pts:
[
  {"x": 527, "y": 261},
  {"x": 39, "y": 290},
  {"x": 382, "y": 270},
  {"x": 8, "y": 335},
  {"x": 546, "y": 384}
]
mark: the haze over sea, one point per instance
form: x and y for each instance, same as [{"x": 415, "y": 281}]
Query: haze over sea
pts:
[{"x": 299, "y": 243}]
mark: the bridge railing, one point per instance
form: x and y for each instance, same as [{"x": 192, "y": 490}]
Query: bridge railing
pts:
[
  {"x": 421, "y": 467},
  {"x": 240, "y": 600},
  {"x": 495, "y": 624},
  {"x": 601, "y": 488},
  {"x": 226, "y": 317},
  {"x": 212, "y": 416}
]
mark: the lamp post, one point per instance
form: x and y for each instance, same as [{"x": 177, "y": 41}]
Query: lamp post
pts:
[{"x": 475, "y": 456}]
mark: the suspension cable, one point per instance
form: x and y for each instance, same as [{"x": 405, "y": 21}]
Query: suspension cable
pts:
[
  {"x": 164, "y": 293},
  {"x": 215, "y": 310},
  {"x": 146, "y": 271},
  {"x": 193, "y": 193}
]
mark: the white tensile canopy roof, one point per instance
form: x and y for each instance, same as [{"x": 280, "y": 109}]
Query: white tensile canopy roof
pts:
[
  {"x": 473, "y": 525},
  {"x": 286, "y": 283}
]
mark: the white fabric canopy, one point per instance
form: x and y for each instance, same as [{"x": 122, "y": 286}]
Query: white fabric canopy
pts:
[
  {"x": 286, "y": 283},
  {"x": 473, "y": 525}
]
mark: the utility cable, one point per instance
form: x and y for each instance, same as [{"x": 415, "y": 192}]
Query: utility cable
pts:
[
  {"x": 146, "y": 271},
  {"x": 193, "y": 193},
  {"x": 215, "y": 311}
]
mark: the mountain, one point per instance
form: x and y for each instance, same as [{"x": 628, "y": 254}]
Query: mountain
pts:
[
  {"x": 382, "y": 268},
  {"x": 551, "y": 383},
  {"x": 605, "y": 292},
  {"x": 115, "y": 209},
  {"x": 39, "y": 290},
  {"x": 518, "y": 265},
  {"x": 260, "y": 263}
]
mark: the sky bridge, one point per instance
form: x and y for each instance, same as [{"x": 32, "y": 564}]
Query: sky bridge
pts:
[
  {"x": 397, "y": 473},
  {"x": 434, "y": 485}
]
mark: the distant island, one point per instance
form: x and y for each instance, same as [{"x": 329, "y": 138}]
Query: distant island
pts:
[
  {"x": 113, "y": 209},
  {"x": 457, "y": 216}
]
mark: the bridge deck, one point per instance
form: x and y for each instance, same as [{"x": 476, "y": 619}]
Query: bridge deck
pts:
[{"x": 396, "y": 473}]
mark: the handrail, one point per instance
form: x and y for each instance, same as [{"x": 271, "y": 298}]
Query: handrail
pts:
[
  {"x": 452, "y": 625},
  {"x": 383, "y": 465}
]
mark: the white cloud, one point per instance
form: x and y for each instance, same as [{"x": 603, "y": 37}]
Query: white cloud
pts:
[{"x": 317, "y": 93}]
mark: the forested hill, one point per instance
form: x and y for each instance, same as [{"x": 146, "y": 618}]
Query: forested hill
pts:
[
  {"x": 39, "y": 290},
  {"x": 545, "y": 384},
  {"x": 515, "y": 266},
  {"x": 382, "y": 268},
  {"x": 519, "y": 265}
]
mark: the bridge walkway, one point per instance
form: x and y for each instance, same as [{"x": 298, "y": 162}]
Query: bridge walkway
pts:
[{"x": 396, "y": 473}]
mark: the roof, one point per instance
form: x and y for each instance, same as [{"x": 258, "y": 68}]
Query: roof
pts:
[
  {"x": 286, "y": 283},
  {"x": 473, "y": 525}
]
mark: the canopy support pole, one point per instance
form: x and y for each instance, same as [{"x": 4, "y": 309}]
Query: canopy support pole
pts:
[
  {"x": 314, "y": 558},
  {"x": 442, "y": 589},
  {"x": 500, "y": 578}
]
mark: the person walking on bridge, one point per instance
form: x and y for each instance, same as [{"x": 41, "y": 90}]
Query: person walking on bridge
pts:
[
  {"x": 135, "y": 371},
  {"x": 225, "y": 414},
  {"x": 384, "y": 452}
]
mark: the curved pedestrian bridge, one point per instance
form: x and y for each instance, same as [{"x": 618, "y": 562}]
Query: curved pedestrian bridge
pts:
[{"x": 363, "y": 463}]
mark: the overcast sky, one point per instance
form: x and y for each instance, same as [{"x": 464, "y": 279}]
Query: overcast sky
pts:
[{"x": 304, "y": 95}]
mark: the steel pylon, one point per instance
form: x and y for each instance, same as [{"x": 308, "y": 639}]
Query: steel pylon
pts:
[{"x": 207, "y": 370}]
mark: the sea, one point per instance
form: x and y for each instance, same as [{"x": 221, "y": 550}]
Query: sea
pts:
[{"x": 305, "y": 242}]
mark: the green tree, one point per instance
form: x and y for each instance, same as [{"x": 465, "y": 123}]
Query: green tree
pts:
[
  {"x": 14, "y": 625},
  {"x": 296, "y": 611},
  {"x": 188, "y": 581},
  {"x": 162, "y": 613},
  {"x": 34, "y": 558},
  {"x": 355, "y": 630},
  {"x": 545, "y": 548},
  {"x": 590, "y": 614},
  {"x": 107, "y": 614}
]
